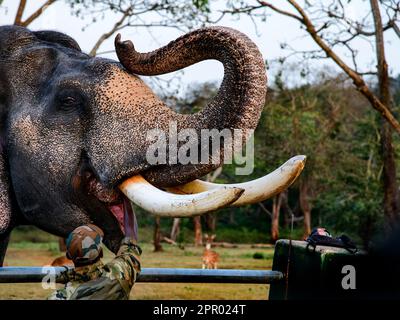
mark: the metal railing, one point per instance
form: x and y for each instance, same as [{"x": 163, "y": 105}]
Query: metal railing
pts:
[{"x": 36, "y": 274}]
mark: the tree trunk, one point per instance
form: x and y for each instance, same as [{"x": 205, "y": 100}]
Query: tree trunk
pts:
[
  {"x": 391, "y": 197},
  {"x": 157, "y": 235},
  {"x": 287, "y": 212},
  {"x": 211, "y": 218},
  {"x": 211, "y": 222},
  {"x": 232, "y": 219},
  {"x": 20, "y": 12},
  {"x": 390, "y": 200},
  {"x": 305, "y": 206},
  {"x": 175, "y": 228},
  {"x": 276, "y": 207},
  {"x": 198, "y": 237}
]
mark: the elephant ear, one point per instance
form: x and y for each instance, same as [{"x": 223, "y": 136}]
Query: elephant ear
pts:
[{"x": 13, "y": 38}]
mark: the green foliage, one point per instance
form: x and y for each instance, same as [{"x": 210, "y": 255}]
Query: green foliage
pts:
[
  {"x": 242, "y": 234},
  {"x": 203, "y": 5},
  {"x": 258, "y": 255},
  {"x": 333, "y": 125},
  {"x": 31, "y": 234}
]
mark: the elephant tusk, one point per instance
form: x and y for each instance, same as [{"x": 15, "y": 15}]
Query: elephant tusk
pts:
[
  {"x": 256, "y": 190},
  {"x": 165, "y": 204}
]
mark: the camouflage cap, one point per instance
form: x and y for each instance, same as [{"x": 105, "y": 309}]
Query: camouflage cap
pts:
[{"x": 84, "y": 244}]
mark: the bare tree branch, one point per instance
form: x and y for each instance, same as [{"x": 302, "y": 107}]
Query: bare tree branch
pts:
[
  {"x": 265, "y": 209},
  {"x": 357, "y": 79},
  {"x": 107, "y": 35},
  {"x": 37, "y": 13},
  {"x": 395, "y": 28},
  {"x": 20, "y": 12},
  {"x": 247, "y": 10},
  {"x": 286, "y": 13},
  {"x": 215, "y": 174},
  {"x": 380, "y": 46}
]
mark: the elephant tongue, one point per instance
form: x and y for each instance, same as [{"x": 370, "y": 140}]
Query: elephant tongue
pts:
[
  {"x": 118, "y": 212},
  {"x": 125, "y": 215}
]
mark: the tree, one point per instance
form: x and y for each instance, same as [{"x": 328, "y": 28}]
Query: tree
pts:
[
  {"x": 339, "y": 185},
  {"x": 276, "y": 208},
  {"x": 210, "y": 218},
  {"x": 391, "y": 195},
  {"x": 149, "y": 14},
  {"x": 330, "y": 26},
  {"x": 157, "y": 235},
  {"x": 183, "y": 15},
  {"x": 198, "y": 233},
  {"x": 176, "y": 228},
  {"x": 20, "y": 12}
]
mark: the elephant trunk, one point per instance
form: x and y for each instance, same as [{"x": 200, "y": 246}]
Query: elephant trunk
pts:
[{"x": 238, "y": 103}]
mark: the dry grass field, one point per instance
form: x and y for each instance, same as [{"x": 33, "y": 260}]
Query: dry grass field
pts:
[{"x": 38, "y": 254}]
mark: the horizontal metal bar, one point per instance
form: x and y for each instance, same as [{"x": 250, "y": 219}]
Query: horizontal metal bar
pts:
[
  {"x": 209, "y": 276},
  {"x": 36, "y": 274}
]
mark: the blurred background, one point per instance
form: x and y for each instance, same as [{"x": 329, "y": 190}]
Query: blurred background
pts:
[{"x": 334, "y": 95}]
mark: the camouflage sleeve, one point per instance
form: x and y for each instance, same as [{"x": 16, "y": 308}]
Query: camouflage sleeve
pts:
[
  {"x": 64, "y": 293},
  {"x": 59, "y": 294},
  {"x": 102, "y": 288},
  {"x": 125, "y": 267}
]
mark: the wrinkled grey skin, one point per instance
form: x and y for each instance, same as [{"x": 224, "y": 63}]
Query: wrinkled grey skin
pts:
[{"x": 73, "y": 126}]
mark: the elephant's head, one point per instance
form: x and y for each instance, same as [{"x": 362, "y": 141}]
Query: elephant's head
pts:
[{"x": 74, "y": 130}]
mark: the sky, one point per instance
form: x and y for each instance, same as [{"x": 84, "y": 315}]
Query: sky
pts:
[{"x": 268, "y": 37}]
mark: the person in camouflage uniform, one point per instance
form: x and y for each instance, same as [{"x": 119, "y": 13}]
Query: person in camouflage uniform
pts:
[{"x": 91, "y": 279}]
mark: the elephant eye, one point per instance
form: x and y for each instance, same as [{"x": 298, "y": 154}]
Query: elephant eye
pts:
[{"x": 68, "y": 101}]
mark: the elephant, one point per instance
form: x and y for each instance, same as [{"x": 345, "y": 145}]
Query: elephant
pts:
[{"x": 73, "y": 131}]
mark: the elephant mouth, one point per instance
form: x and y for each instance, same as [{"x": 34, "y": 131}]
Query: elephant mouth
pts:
[{"x": 113, "y": 199}]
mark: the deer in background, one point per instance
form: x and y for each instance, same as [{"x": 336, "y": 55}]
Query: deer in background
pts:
[
  {"x": 62, "y": 261},
  {"x": 210, "y": 258}
]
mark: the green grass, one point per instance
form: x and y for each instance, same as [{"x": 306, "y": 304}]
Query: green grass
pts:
[
  {"x": 25, "y": 253},
  {"x": 31, "y": 234}
]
